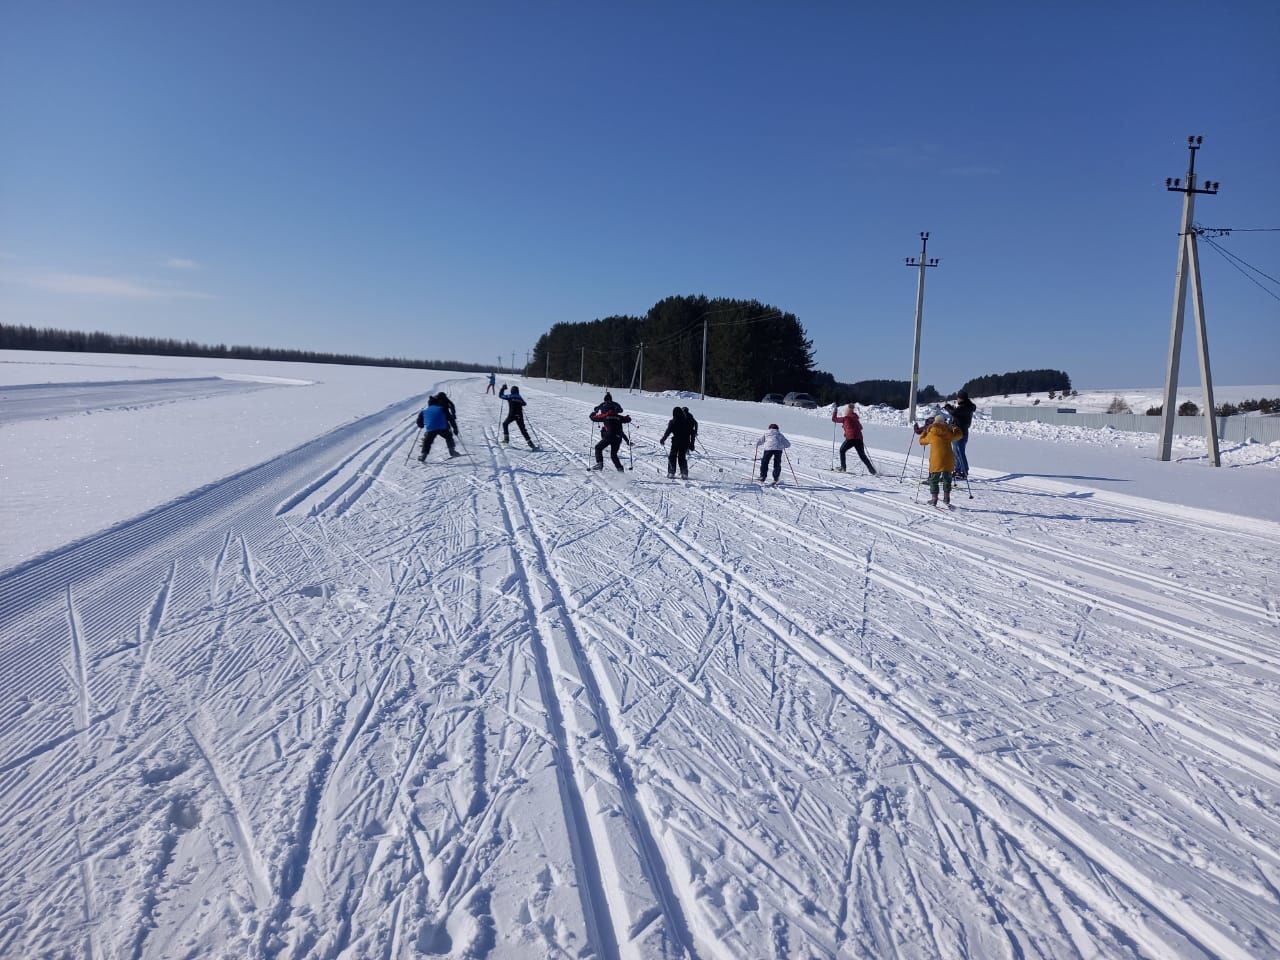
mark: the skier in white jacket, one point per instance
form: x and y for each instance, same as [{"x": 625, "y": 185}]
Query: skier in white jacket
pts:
[{"x": 774, "y": 443}]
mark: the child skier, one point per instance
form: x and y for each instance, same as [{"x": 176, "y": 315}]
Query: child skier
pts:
[
  {"x": 680, "y": 428},
  {"x": 774, "y": 443},
  {"x": 938, "y": 434},
  {"x": 492, "y": 380},
  {"x": 852, "y": 436},
  {"x": 611, "y": 418},
  {"x": 434, "y": 419},
  {"x": 515, "y": 414},
  {"x": 693, "y": 428}
]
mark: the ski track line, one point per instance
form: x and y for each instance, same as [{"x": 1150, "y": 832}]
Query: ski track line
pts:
[
  {"x": 993, "y": 794},
  {"x": 1262, "y": 762},
  {"x": 999, "y": 541},
  {"x": 80, "y": 670},
  {"x": 241, "y": 832},
  {"x": 544, "y": 594},
  {"x": 1255, "y": 611},
  {"x": 1216, "y": 645}
]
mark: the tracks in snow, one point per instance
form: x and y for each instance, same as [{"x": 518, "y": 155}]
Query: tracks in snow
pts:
[{"x": 1047, "y": 832}]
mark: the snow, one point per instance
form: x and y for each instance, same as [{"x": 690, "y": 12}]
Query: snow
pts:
[{"x": 271, "y": 688}]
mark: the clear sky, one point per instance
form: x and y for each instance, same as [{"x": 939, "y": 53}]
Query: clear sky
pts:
[{"x": 448, "y": 179}]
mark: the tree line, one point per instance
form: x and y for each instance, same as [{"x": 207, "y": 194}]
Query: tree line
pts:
[
  {"x": 1020, "y": 381},
  {"x": 19, "y": 337},
  {"x": 752, "y": 349}
]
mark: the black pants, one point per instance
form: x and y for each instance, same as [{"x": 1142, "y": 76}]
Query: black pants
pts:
[
  {"x": 777, "y": 463},
  {"x": 518, "y": 420},
  {"x": 430, "y": 435},
  {"x": 678, "y": 456},
  {"x": 862, "y": 452},
  {"x": 613, "y": 443}
]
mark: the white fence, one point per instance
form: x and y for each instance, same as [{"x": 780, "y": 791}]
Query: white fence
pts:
[{"x": 1237, "y": 429}]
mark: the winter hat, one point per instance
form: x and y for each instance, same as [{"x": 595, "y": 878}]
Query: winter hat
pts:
[
  {"x": 609, "y": 397},
  {"x": 942, "y": 416},
  {"x": 677, "y": 412},
  {"x": 962, "y": 395},
  {"x": 773, "y": 426},
  {"x": 515, "y": 389}
]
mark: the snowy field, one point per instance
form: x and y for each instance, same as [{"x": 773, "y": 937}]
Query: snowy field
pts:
[{"x": 269, "y": 690}]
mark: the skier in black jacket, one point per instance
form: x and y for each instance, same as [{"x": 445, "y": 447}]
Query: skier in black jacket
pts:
[
  {"x": 611, "y": 418},
  {"x": 515, "y": 414},
  {"x": 680, "y": 428},
  {"x": 442, "y": 399},
  {"x": 693, "y": 427},
  {"x": 962, "y": 412}
]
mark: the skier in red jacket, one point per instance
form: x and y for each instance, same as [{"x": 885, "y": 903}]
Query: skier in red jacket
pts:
[{"x": 852, "y": 436}]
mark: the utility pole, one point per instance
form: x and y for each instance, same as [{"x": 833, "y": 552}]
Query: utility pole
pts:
[
  {"x": 582, "y": 364},
  {"x": 513, "y": 362},
  {"x": 642, "y": 368},
  {"x": 703, "y": 391},
  {"x": 1188, "y": 263},
  {"x": 499, "y": 363},
  {"x": 546, "y": 370},
  {"x": 922, "y": 263}
]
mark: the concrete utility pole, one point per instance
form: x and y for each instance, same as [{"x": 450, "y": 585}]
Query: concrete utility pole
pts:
[
  {"x": 642, "y": 368},
  {"x": 499, "y": 363},
  {"x": 513, "y": 361},
  {"x": 1188, "y": 263},
  {"x": 922, "y": 263},
  {"x": 703, "y": 391}
]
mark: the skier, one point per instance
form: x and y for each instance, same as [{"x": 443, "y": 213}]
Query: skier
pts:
[
  {"x": 774, "y": 443},
  {"x": 450, "y": 411},
  {"x": 852, "y": 437},
  {"x": 434, "y": 419},
  {"x": 938, "y": 434},
  {"x": 693, "y": 427},
  {"x": 962, "y": 412},
  {"x": 681, "y": 430},
  {"x": 515, "y": 414},
  {"x": 611, "y": 418},
  {"x": 493, "y": 378}
]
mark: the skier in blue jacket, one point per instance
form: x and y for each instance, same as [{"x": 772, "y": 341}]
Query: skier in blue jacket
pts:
[{"x": 434, "y": 419}]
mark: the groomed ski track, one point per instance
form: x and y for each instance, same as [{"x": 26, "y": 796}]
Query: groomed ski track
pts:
[{"x": 346, "y": 706}]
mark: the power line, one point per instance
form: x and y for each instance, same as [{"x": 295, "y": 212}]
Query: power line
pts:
[
  {"x": 1227, "y": 231},
  {"x": 1243, "y": 262},
  {"x": 1226, "y": 256}
]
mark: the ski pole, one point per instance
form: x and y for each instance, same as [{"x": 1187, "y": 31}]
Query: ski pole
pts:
[
  {"x": 907, "y": 459},
  {"x": 967, "y": 485},
  {"x": 631, "y": 452},
  {"x": 416, "y": 434},
  {"x": 754, "y": 454},
  {"x": 793, "y": 469},
  {"x": 919, "y": 478},
  {"x": 834, "y": 428}
]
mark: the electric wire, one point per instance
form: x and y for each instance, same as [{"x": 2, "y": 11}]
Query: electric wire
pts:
[{"x": 1225, "y": 256}]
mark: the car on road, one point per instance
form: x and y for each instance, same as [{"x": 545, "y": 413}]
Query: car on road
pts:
[
  {"x": 771, "y": 398},
  {"x": 794, "y": 399}
]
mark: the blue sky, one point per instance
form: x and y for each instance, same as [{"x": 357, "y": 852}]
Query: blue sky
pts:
[{"x": 447, "y": 180}]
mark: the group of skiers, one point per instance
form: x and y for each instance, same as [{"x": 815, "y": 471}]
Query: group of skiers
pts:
[{"x": 946, "y": 434}]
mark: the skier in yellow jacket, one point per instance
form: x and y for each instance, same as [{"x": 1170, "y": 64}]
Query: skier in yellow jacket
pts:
[{"x": 938, "y": 435}]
